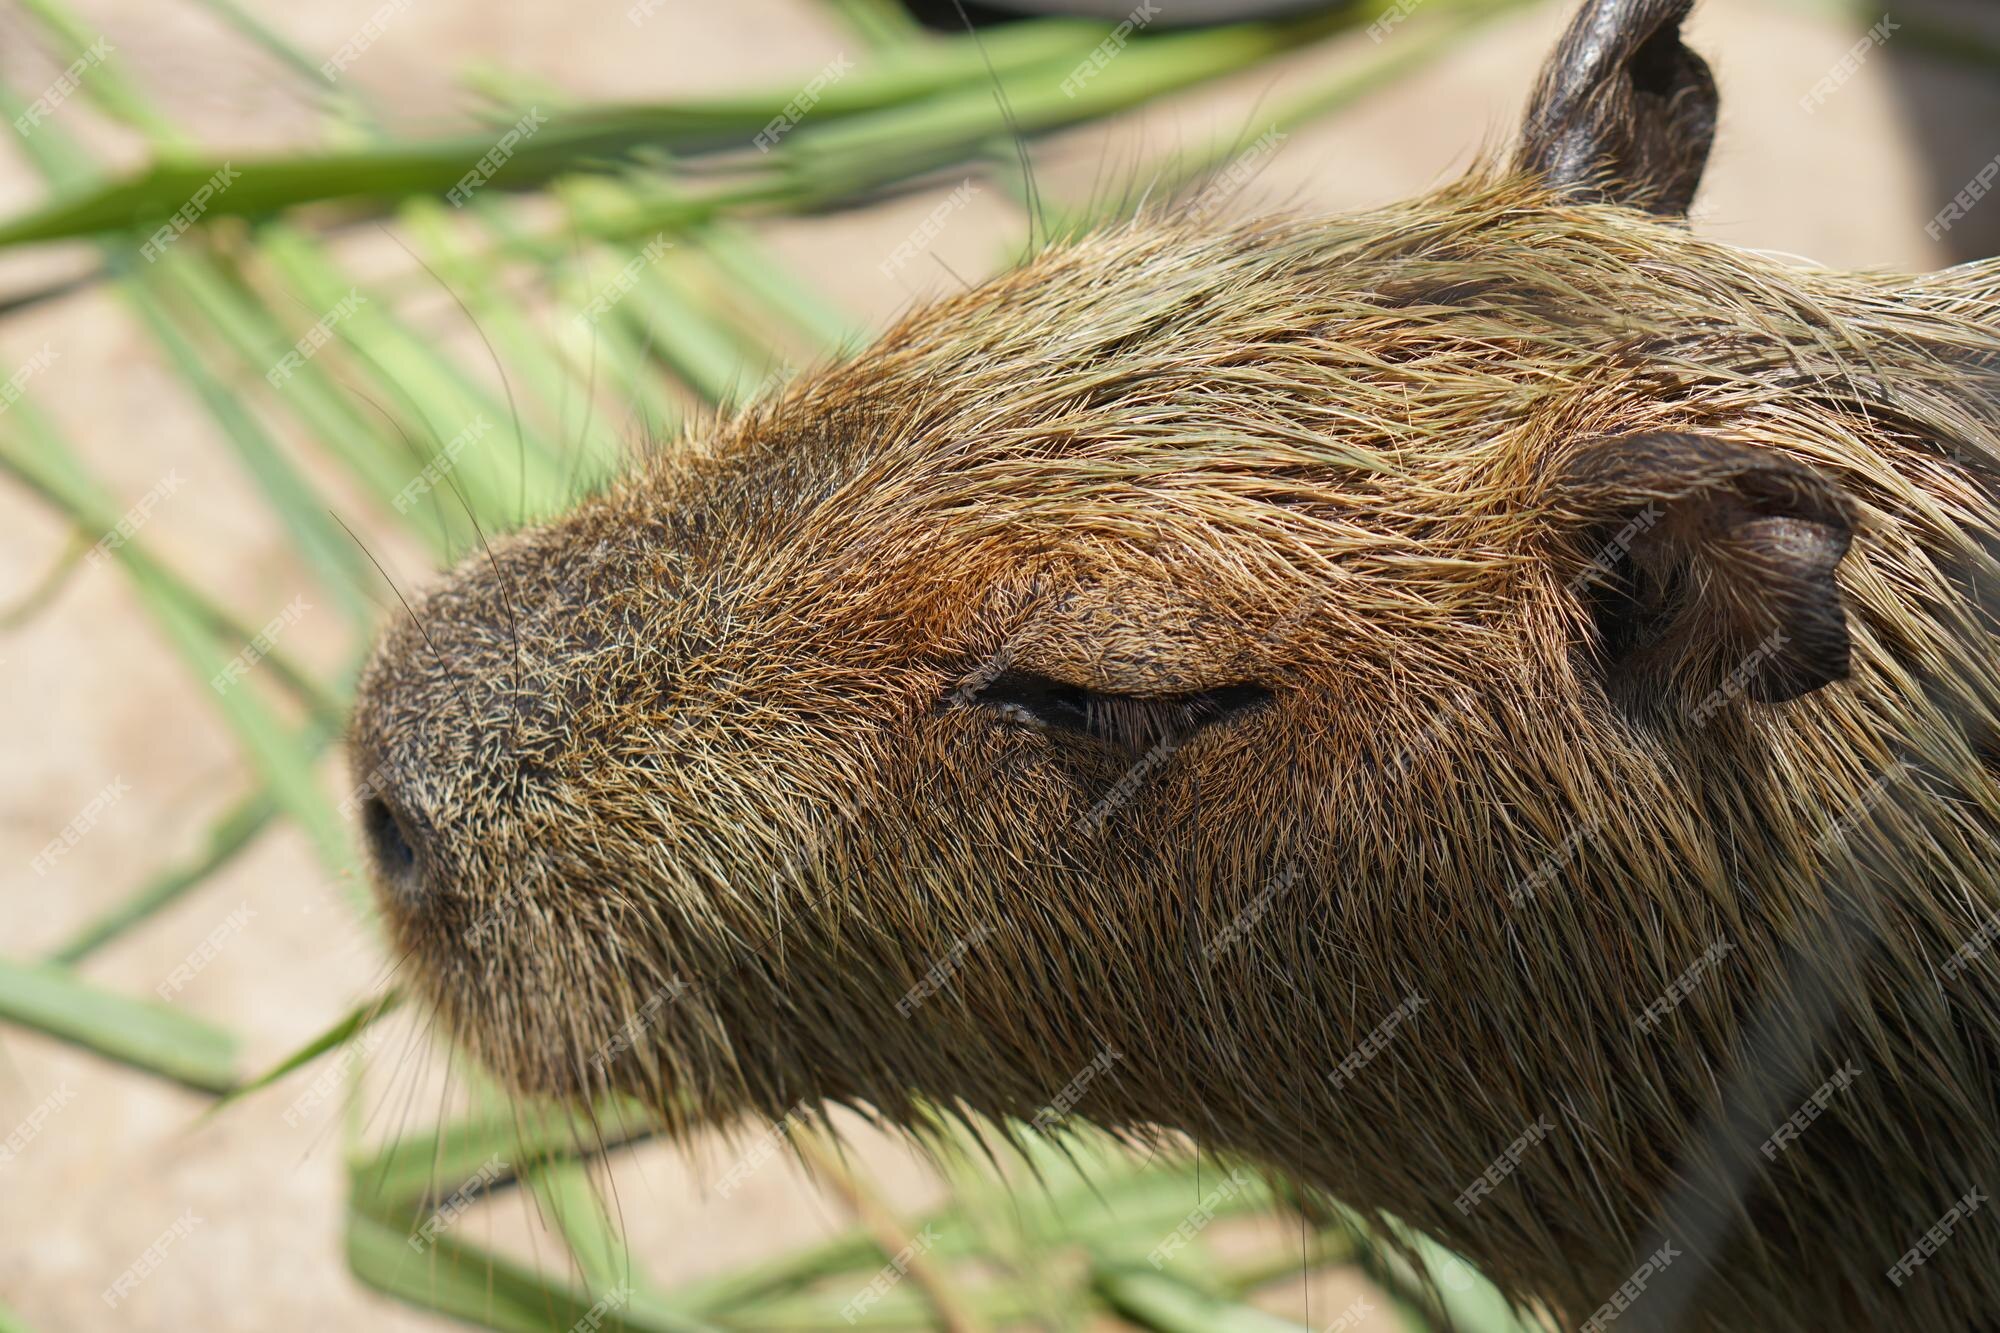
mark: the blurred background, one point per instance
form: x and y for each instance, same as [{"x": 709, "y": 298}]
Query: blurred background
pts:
[{"x": 270, "y": 273}]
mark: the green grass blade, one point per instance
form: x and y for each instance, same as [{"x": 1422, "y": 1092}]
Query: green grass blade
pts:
[
  {"x": 578, "y": 137},
  {"x": 706, "y": 355},
  {"x": 822, "y": 1312},
  {"x": 324, "y": 548},
  {"x": 273, "y": 43},
  {"x": 1164, "y": 1303},
  {"x": 245, "y": 326},
  {"x": 570, "y": 1204},
  {"x": 721, "y": 260},
  {"x": 340, "y": 565},
  {"x": 573, "y": 1205},
  {"x": 154, "y": 1037},
  {"x": 893, "y": 143},
  {"x": 349, "y": 1026},
  {"x": 741, "y": 259},
  {"x": 825, "y": 163},
  {"x": 1442, "y": 26},
  {"x": 415, "y": 1166},
  {"x": 235, "y": 830},
  {"x": 882, "y": 24},
  {"x": 477, "y": 1285},
  {"x": 332, "y": 416},
  {"x": 536, "y": 358},
  {"x": 603, "y": 356},
  {"x": 904, "y": 117},
  {"x": 45, "y": 589},
  {"x": 444, "y": 398},
  {"x": 1116, "y": 1205},
  {"x": 894, "y": 1241},
  {"x": 52, "y": 469},
  {"x": 732, "y": 252},
  {"x": 1471, "y": 1303},
  {"x": 102, "y": 81}
]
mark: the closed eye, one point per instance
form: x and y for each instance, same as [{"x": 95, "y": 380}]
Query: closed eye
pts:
[{"x": 1131, "y": 722}]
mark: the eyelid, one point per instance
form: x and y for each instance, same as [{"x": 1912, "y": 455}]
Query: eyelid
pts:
[{"x": 1131, "y": 721}]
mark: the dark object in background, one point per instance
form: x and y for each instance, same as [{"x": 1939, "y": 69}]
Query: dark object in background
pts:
[
  {"x": 944, "y": 15},
  {"x": 1944, "y": 61}
]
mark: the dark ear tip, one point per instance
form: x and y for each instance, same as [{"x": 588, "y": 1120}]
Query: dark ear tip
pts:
[{"x": 1623, "y": 112}]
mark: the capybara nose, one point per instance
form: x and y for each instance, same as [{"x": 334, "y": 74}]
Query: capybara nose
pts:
[{"x": 398, "y": 844}]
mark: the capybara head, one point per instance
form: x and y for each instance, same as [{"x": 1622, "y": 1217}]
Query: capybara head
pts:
[{"x": 1486, "y": 707}]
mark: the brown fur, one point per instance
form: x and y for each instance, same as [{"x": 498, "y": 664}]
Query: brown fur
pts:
[{"x": 771, "y": 719}]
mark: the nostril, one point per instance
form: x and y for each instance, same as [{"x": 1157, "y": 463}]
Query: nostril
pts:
[{"x": 388, "y": 837}]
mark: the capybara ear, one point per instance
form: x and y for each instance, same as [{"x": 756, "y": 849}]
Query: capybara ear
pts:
[
  {"x": 1623, "y": 113},
  {"x": 1710, "y": 568}
]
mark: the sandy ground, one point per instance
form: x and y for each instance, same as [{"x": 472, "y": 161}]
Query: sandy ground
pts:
[{"x": 88, "y": 695}]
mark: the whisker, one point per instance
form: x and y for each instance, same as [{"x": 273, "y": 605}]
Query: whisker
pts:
[
  {"x": 443, "y": 1121},
  {"x": 373, "y": 1116},
  {"x": 382, "y": 1000},
  {"x": 438, "y": 1147},
  {"x": 499, "y": 367},
  {"x": 422, "y": 629},
  {"x": 939, "y": 260},
  {"x": 520, "y": 470},
  {"x": 416, "y": 453}
]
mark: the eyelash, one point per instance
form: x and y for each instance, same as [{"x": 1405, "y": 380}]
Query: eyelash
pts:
[{"x": 1129, "y": 721}]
